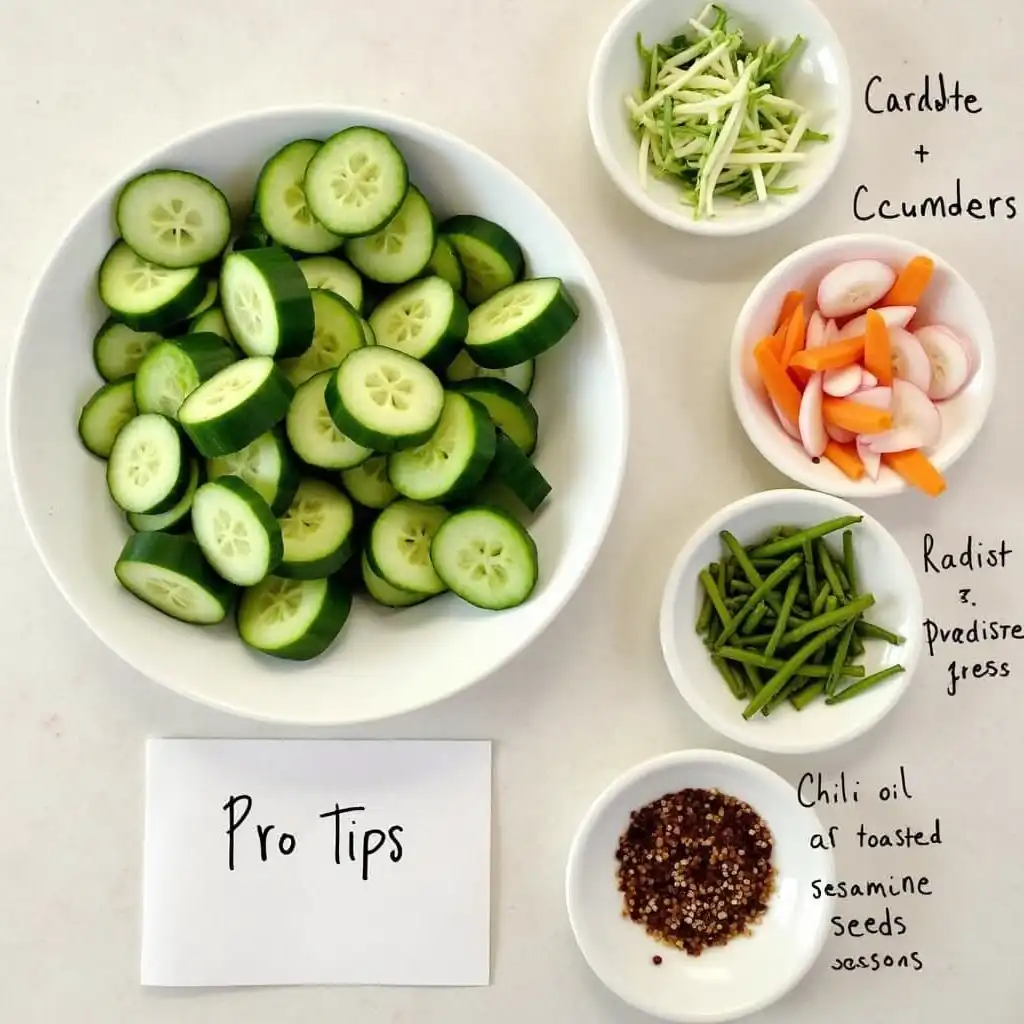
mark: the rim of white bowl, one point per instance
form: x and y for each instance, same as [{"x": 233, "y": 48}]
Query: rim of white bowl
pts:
[
  {"x": 762, "y": 740},
  {"x": 725, "y": 228},
  {"x": 808, "y": 473},
  {"x": 401, "y": 123},
  {"x": 653, "y": 765}
]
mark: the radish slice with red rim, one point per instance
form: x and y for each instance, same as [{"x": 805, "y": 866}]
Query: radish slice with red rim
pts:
[
  {"x": 785, "y": 424},
  {"x": 894, "y": 316},
  {"x": 916, "y": 422},
  {"x": 853, "y": 287},
  {"x": 877, "y": 398},
  {"x": 867, "y": 380},
  {"x": 910, "y": 362},
  {"x": 963, "y": 340},
  {"x": 842, "y": 382},
  {"x": 840, "y": 434},
  {"x": 872, "y": 460},
  {"x": 815, "y": 334},
  {"x": 951, "y": 367},
  {"x": 831, "y": 332},
  {"x": 812, "y": 423}
]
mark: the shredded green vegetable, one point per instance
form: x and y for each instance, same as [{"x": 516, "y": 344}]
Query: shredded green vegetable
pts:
[{"x": 710, "y": 114}]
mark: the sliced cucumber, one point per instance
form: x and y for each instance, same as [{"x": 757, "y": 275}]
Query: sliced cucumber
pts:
[
  {"x": 235, "y": 406},
  {"x": 207, "y": 301},
  {"x": 253, "y": 236},
  {"x": 312, "y": 433},
  {"x": 103, "y": 416},
  {"x": 399, "y": 546},
  {"x": 490, "y": 256},
  {"x": 368, "y": 336},
  {"x": 337, "y": 330},
  {"x": 281, "y": 201},
  {"x": 293, "y": 619},
  {"x": 511, "y": 410},
  {"x": 174, "y": 369},
  {"x": 266, "y": 465},
  {"x": 426, "y": 319},
  {"x": 356, "y": 181},
  {"x": 445, "y": 263},
  {"x": 168, "y": 571},
  {"x": 383, "y": 593},
  {"x": 401, "y": 249},
  {"x": 174, "y": 218},
  {"x": 514, "y": 470},
  {"x": 145, "y": 296},
  {"x": 317, "y": 531},
  {"x": 520, "y": 322},
  {"x": 334, "y": 275},
  {"x": 236, "y": 531},
  {"x": 177, "y": 519},
  {"x": 463, "y": 368},
  {"x": 212, "y": 321},
  {"x": 267, "y": 303},
  {"x": 147, "y": 470},
  {"x": 117, "y": 350},
  {"x": 455, "y": 458},
  {"x": 384, "y": 399},
  {"x": 486, "y": 557},
  {"x": 368, "y": 483}
]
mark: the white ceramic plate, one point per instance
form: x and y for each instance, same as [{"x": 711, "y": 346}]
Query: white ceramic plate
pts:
[
  {"x": 384, "y": 663},
  {"x": 884, "y": 570},
  {"x": 727, "y": 982}
]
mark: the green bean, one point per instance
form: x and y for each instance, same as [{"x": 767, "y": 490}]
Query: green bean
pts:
[
  {"x": 856, "y": 689},
  {"x": 808, "y": 695},
  {"x": 840, "y": 658},
  {"x": 819, "y": 601},
  {"x": 740, "y": 556},
  {"x": 704, "y": 619},
  {"x": 792, "y": 687},
  {"x": 837, "y": 564},
  {"x": 780, "y": 625},
  {"x": 766, "y": 563},
  {"x": 728, "y": 573},
  {"x": 871, "y": 630},
  {"x": 856, "y": 644},
  {"x": 754, "y": 680},
  {"x": 754, "y": 619},
  {"x": 796, "y": 540},
  {"x": 760, "y": 593},
  {"x": 849, "y": 562},
  {"x": 733, "y": 681},
  {"x": 711, "y": 589},
  {"x": 829, "y": 570},
  {"x": 732, "y": 603},
  {"x": 839, "y": 617},
  {"x": 812, "y": 583},
  {"x": 722, "y": 576},
  {"x": 758, "y": 660},
  {"x": 755, "y": 640},
  {"x": 714, "y": 629}
]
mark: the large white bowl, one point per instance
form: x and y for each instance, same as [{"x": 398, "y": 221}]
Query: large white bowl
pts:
[{"x": 384, "y": 663}]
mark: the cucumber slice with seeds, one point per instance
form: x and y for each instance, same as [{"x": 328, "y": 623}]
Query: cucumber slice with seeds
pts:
[
  {"x": 402, "y": 248},
  {"x": 207, "y": 301},
  {"x": 384, "y": 399},
  {"x": 103, "y": 416},
  {"x": 212, "y": 321},
  {"x": 235, "y": 406},
  {"x": 317, "y": 531},
  {"x": 236, "y": 531},
  {"x": 490, "y": 256},
  {"x": 145, "y": 296},
  {"x": 267, "y": 303},
  {"x": 511, "y": 410},
  {"x": 266, "y": 465},
  {"x": 514, "y": 470},
  {"x": 312, "y": 433},
  {"x": 174, "y": 218},
  {"x": 520, "y": 322},
  {"x": 177, "y": 519},
  {"x": 444, "y": 262},
  {"x": 293, "y": 619},
  {"x": 462, "y": 368},
  {"x": 174, "y": 369},
  {"x": 368, "y": 483},
  {"x": 426, "y": 319},
  {"x": 383, "y": 592},
  {"x": 399, "y": 546},
  {"x": 455, "y": 458},
  {"x": 117, "y": 350},
  {"x": 486, "y": 557},
  {"x": 337, "y": 330},
  {"x": 281, "y": 201},
  {"x": 168, "y": 572},
  {"x": 334, "y": 275},
  {"x": 147, "y": 470},
  {"x": 356, "y": 181}
]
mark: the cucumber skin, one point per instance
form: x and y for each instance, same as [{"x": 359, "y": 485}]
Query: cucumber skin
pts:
[
  {"x": 253, "y": 236},
  {"x": 492, "y": 235},
  {"x": 323, "y": 631},
  {"x": 319, "y": 568},
  {"x": 375, "y": 565},
  {"x": 383, "y": 593},
  {"x": 97, "y": 351},
  {"x": 505, "y": 393},
  {"x": 140, "y": 521},
  {"x": 445, "y": 263},
  {"x": 122, "y": 382},
  {"x": 513, "y": 469},
  {"x": 181, "y": 485}
]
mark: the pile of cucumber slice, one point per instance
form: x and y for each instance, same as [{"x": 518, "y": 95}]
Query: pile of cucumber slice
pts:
[{"x": 334, "y": 398}]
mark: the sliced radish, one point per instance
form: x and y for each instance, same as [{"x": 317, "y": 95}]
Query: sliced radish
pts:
[
  {"x": 894, "y": 316},
  {"x": 840, "y": 434},
  {"x": 867, "y": 380},
  {"x": 872, "y": 460},
  {"x": 815, "y": 334},
  {"x": 831, "y": 332},
  {"x": 842, "y": 382},
  {"x": 968, "y": 347},
  {"x": 812, "y": 423},
  {"x": 916, "y": 422},
  {"x": 950, "y": 364},
  {"x": 785, "y": 424},
  {"x": 909, "y": 360},
  {"x": 853, "y": 287},
  {"x": 877, "y": 398}
]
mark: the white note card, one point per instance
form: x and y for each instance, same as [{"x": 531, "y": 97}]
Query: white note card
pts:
[{"x": 317, "y": 862}]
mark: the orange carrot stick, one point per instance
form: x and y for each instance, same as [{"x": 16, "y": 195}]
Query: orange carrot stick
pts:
[
  {"x": 855, "y": 416},
  {"x": 789, "y": 304},
  {"x": 845, "y": 457},
  {"x": 833, "y": 356},
  {"x": 877, "y": 348},
  {"x": 911, "y": 283},
  {"x": 796, "y": 333},
  {"x": 917, "y": 469},
  {"x": 780, "y": 388}
]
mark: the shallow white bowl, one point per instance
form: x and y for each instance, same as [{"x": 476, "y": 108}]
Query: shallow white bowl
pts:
[
  {"x": 819, "y": 78},
  {"x": 949, "y": 300},
  {"x": 727, "y": 982},
  {"x": 384, "y": 663},
  {"x": 883, "y": 570}
]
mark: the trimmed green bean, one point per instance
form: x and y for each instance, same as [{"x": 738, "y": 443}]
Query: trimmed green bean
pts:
[
  {"x": 733, "y": 681},
  {"x": 808, "y": 695},
  {"x": 839, "y": 617},
  {"x": 711, "y": 589},
  {"x": 871, "y": 630},
  {"x": 748, "y": 570},
  {"x": 780, "y": 625},
  {"x": 760, "y": 594},
  {"x": 828, "y": 570},
  {"x": 741, "y": 587},
  {"x": 863, "y": 685},
  {"x": 850, "y": 562},
  {"x": 754, "y": 619},
  {"x": 788, "y": 670},
  {"x": 819, "y": 601},
  {"x": 766, "y": 563},
  {"x": 812, "y": 582},
  {"x": 758, "y": 660},
  {"x": 840, "y": 658},
  {"x": 796, "y": 540},
  {"x": 856, "y": 644},
  {"x": 754, "y": 680},
  {"x": 706, "y": 611}
]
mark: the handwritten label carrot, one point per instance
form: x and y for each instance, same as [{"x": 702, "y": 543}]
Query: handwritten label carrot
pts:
[
  {"x": 795, "y": 336},
  {"x": 856, "y": 417},
  {"x": 911, "y": 283},
  {"x": 877, "y": 348},
  {"x": 832, "y": 356},
  {"x": 917, "y": 469},
  {"x": 781, "y": 389},
  {"x": 789, "y": 304},
  {"x": 845, "y": 457}
]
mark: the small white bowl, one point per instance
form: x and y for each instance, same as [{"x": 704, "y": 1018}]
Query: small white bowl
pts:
[
  {"x": 949, "y": 300},
  {"x": 726, "y": 982},
  {"x": 819, "y": 78},
  {"x": 883, "y": 570}
]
